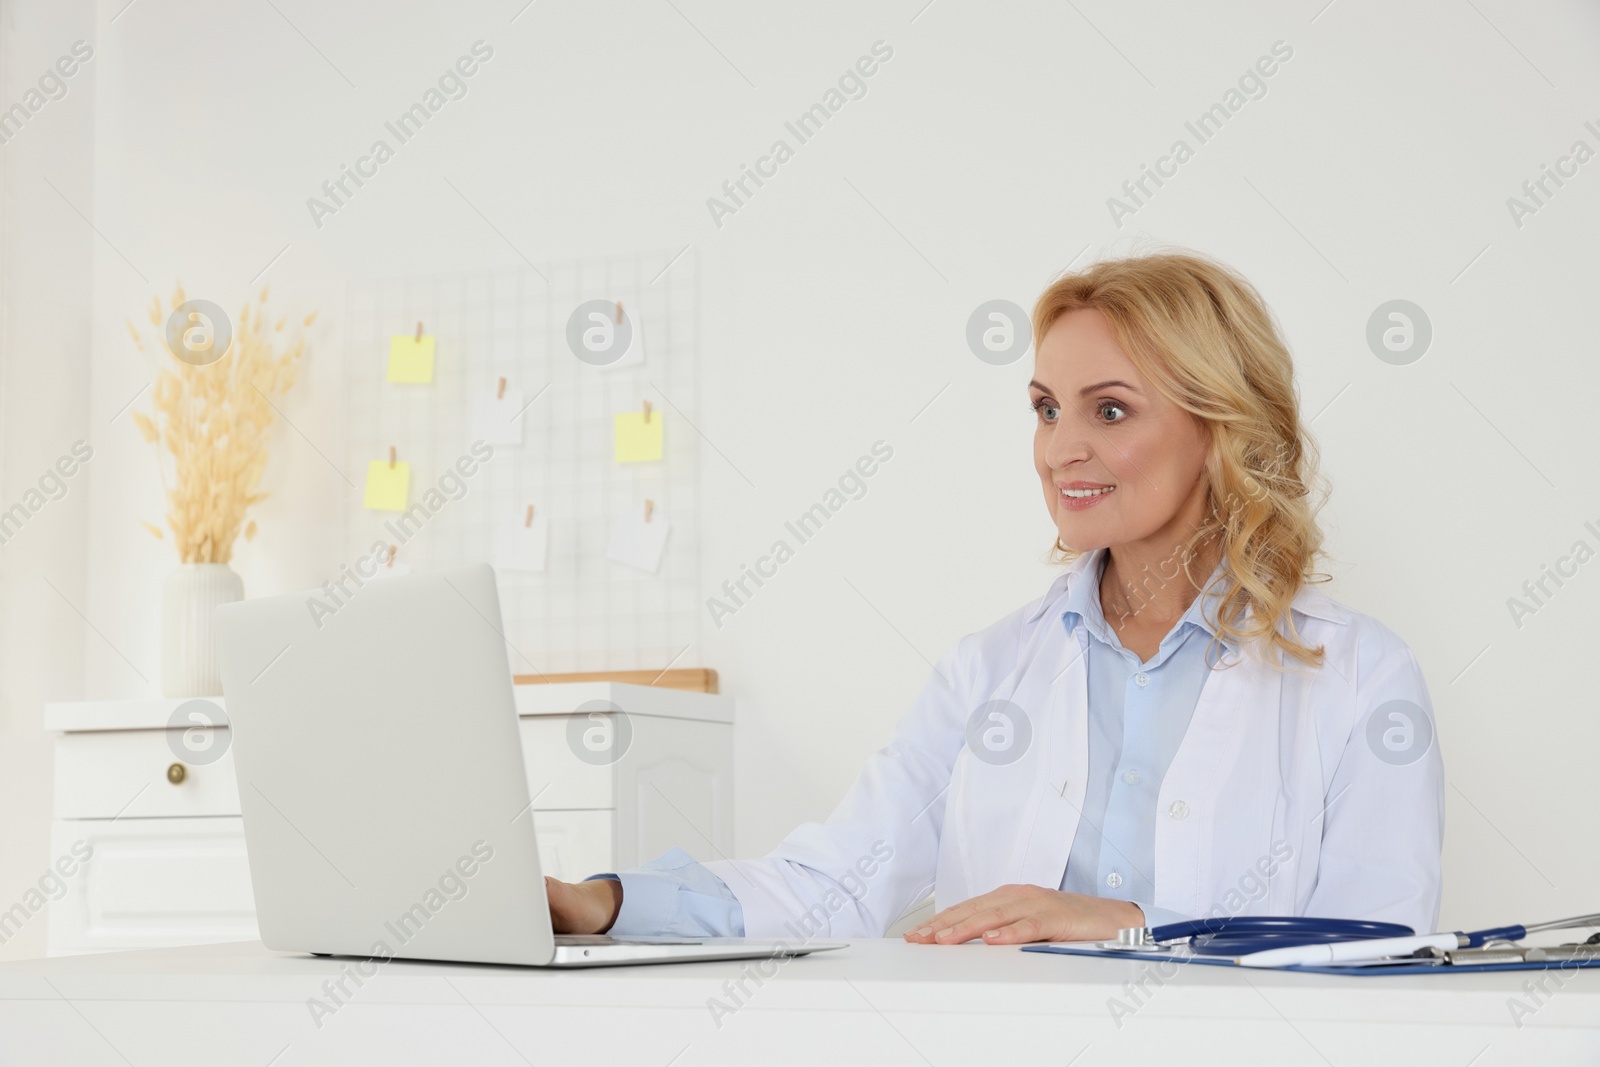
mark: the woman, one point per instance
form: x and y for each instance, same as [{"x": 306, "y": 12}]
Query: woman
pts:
[{"x": 1180, "y": 727}]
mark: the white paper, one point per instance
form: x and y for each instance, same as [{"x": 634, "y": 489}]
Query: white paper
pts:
[
  {"x": 498, "y": 420},
  {"x": 638, "y": 543},
  {"x": 519, "y": 546}
]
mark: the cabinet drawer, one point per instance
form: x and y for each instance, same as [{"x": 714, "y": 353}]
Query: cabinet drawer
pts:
[
  {"x": 156, "y": 882},
  {"x": 104, "y": 774},
  {"x": 152, "y": 882}
]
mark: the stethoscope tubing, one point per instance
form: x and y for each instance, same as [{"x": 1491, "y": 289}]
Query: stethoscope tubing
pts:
[
  {"x": 1477, "y": 938},
  {"x": 1241, "y": 935}
]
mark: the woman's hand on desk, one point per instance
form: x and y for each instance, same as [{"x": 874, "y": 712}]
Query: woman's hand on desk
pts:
[
  {"x": 583, "y": 907},
  {"x": 1017, "y": 914}
]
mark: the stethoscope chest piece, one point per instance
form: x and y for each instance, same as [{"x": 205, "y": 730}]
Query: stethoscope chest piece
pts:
[{"x": 1134, "y": 939}]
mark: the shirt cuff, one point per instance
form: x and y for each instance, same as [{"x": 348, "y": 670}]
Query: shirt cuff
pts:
[
  {"x": 649, "y": 902},
  {"x": 1154, "y": 916},
  {"x": 675, "y": 896}
]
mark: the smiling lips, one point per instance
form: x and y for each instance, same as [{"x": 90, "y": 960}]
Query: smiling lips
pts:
[{"x": 1076, "y": 496}]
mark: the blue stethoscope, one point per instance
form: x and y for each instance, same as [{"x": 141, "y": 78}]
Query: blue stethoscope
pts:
[{"x": 1243, "y": 934}]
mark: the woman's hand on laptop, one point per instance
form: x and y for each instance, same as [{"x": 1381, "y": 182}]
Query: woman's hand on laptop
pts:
[
  {"x": 1016, "y": 914},
  {"x": 583, "y": 907}
]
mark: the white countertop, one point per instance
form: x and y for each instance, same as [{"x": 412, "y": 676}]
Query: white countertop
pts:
[
  {"x": 881, "y": 1002},
  {"x": 558, "y": 698}
]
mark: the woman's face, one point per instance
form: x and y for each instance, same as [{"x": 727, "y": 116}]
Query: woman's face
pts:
[{"x": 1120, "y": 463}]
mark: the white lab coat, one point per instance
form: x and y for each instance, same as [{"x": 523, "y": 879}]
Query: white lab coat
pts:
[{"x": 1276, "y": 803}]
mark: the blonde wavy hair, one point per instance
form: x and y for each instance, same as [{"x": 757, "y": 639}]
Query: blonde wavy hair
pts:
[{"x": 1202, "y": 336}]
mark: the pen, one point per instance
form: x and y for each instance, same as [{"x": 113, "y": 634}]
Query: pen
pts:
[
  {"x": 1377, "y": 948},
  {"x": 1336, "y": 951}
]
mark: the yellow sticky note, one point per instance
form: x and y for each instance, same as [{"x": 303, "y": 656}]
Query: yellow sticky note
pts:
[
  {"x": 636, "y": 439},
  {"x": 411, "y": 360},
  {"x": 388, "y": 487}
]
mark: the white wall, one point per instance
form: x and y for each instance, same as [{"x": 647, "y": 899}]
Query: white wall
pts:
[
  {"x": 834, "y": 303},
  {"x": 46, "y": 309}
]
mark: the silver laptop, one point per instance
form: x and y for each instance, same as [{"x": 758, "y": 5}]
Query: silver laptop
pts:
[{"x": 381, "y": 780}]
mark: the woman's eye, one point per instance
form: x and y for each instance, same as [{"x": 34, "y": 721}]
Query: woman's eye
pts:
[
  {"x": 1047, "y": 411},
  {"x": 1114, "y": 406}
]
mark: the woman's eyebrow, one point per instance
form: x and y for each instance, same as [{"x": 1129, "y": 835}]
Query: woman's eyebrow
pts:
[
  {"x": 1086, "y": 390},
  {"x": 1096, "y": 387}
]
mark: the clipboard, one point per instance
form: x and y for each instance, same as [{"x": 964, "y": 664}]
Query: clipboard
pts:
[{"x": 1393, "y": 968}]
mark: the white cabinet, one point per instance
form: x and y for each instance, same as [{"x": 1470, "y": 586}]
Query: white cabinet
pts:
[
  {"x": 167, "y": 859},
  {"x": 152, "y": 883}
]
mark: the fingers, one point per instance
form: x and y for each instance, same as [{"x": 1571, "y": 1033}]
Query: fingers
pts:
[
  {"x": 951, "y": 916},
  {"x": 1024, "y": 930},
  {"x": 1018, "y": 914},
  {"x": 924, "y": 934},
  {"x": 969, "y": 919},
  {"x": 974, "y": 925},
  {"x": 1010, "y": 915}
]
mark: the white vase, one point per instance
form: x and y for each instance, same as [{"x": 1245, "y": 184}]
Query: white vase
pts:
[{"x": 188, "y": 645}]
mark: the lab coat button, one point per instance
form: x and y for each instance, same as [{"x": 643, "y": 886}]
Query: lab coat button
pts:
[
  {"x": 1142, "y": 678},
  {"x": 1179, "y": 810},
  {"x": 1131, "y": 777},
  {"x": 1113, "y": 879}
]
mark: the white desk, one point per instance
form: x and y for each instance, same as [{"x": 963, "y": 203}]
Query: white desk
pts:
[{"x": 877, "y": 1002}]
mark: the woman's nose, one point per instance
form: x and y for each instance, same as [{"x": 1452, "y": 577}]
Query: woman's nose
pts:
[{"x": 1069, "y": 442}]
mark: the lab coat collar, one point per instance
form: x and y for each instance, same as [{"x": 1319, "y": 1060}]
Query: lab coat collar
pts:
[
  {"x": 1056, "y": 594},
  {"x": 1308, "y": 601}
]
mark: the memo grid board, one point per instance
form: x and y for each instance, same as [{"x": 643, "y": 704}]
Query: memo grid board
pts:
[{"x": 585, "y": 612}]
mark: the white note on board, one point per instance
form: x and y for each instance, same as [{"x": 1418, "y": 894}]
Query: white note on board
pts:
[
  {"x": 638, "y": 543},
  {"x": 498, "y": 419},
  {"x": 520, "y": 545}
]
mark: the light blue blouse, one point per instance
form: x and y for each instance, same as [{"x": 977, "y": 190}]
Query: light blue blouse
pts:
[{"x": 1138, "y": 714}]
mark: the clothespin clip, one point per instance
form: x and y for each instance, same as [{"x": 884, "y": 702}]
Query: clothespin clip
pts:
[
  {"x": 500, "y": 390},
  {"x": 419, "y": 331},
  {"x": 649, "y": 506},
  {"x": 392, "y": 550},
  {"x": 391, "y": 457},
  {"x": 528, "y": 521},
  {"x": 647, "y": 411},
  {"x": 619, "y": 312}
]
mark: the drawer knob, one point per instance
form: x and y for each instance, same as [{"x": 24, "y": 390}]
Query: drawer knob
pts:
[{"x": 177, "y": 773}]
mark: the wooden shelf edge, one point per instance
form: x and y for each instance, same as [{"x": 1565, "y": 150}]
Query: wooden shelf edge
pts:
[{"x": 689, "y": 679}]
